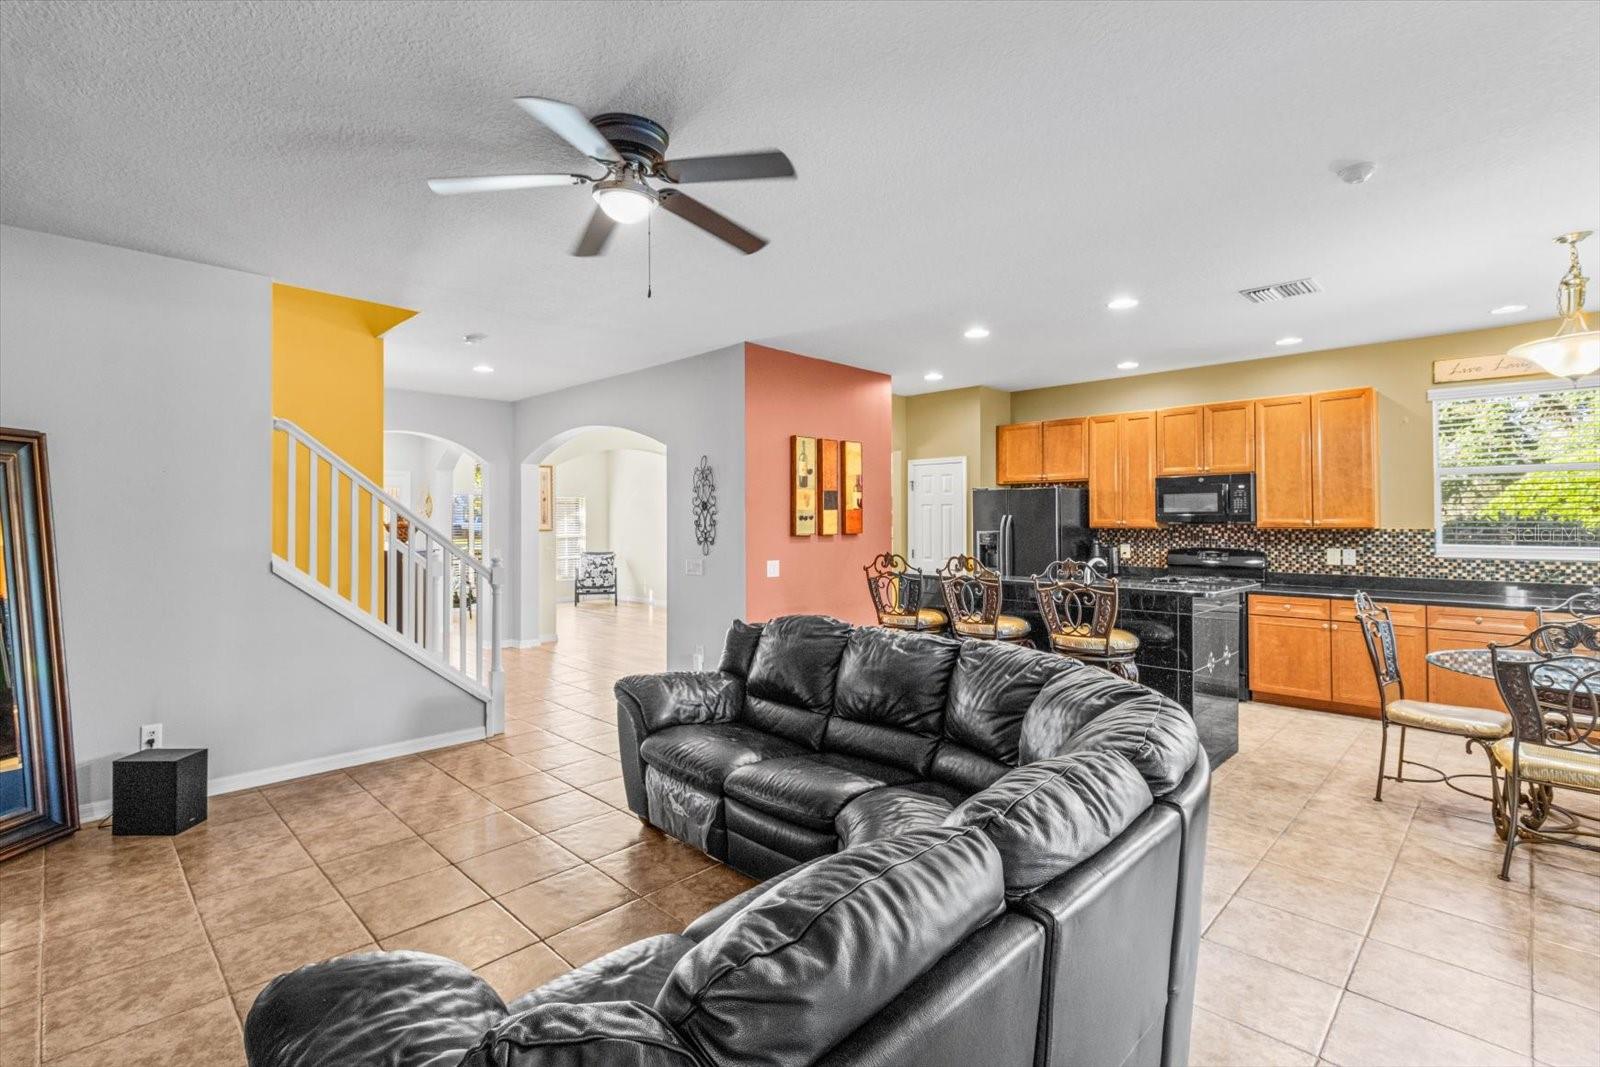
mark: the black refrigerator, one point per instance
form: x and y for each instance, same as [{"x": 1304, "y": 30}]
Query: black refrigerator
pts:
[{"x": 1020, "y": 532}]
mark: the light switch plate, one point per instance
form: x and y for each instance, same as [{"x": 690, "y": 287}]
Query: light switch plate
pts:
[
  {"x": 1331, "y": 556},
  {"x": 1349, "y": 557},
  {"x": 772, "y": 568},
  {"x": 694, "y": 566}
]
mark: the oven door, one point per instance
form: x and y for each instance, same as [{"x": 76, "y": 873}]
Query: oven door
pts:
[{"x": 1199, "y": 499}]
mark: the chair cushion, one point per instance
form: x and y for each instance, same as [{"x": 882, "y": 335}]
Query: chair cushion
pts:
[
  {"x": 1047, "y": 817},
  {"x": 924, "y": 619},
  {"x": 706, "y": 755},
  {"x": 1551, "y": 764},
  {"x": 811, "y": 789},
  {"x": 1006, "y": 628},
  {"x": 1121, "y": 643},
  {"x": 610, "y": 1034},
  {"x": 895, "y": 809},
  {"x": 633, "y": 972},
  {"x": 890, "y": 700},
  {"x": 812, "y": 959},
  {"x": 990, "y": 691},
  {"x": 1485, "y": 723}
]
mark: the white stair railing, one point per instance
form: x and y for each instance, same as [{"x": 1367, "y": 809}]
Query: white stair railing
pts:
[{"x": 420, "y": 592}]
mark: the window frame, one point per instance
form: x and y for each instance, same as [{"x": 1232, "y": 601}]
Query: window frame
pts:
[
  {"x": 582, "y": 536},
  {"x": 1487, "y": 392}
]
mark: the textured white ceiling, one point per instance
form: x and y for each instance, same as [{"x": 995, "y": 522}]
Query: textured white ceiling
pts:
[{"x": 1015, "y": 164}]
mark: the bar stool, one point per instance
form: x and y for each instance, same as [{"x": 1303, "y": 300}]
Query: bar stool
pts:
[
  {"x": 896, "y": 589},
  {"x": 1080, "y": 615},
  {"x": 1478, "y": 726},
  {"x": 972, "y": 598}
]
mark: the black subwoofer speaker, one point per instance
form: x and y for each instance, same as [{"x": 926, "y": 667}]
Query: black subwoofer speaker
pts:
[{"x": 159, "y": 791}]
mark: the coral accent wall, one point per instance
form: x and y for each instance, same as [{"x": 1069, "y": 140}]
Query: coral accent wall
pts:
[{"x": 787, "y": 394}]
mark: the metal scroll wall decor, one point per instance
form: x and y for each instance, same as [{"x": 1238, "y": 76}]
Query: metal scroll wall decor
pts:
[{"x": 705, "y": 507}]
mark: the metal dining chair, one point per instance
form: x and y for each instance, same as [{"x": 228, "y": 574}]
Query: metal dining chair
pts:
[
  {"x": 972, "y": 596},
  {"x": 1079, "y": 607},
  {"x": 1477, "y": 726},
  {"x": 1551, "y": 682},
  {"x": 896, "y": 588}
]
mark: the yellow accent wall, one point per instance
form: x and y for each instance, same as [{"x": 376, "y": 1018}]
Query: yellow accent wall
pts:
[
  {"x": 327, "y": 377},
  {"x": 1400, "y": 371}
]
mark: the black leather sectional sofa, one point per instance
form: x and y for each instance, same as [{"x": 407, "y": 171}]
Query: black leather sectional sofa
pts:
[{"x": 974, "y": 853}]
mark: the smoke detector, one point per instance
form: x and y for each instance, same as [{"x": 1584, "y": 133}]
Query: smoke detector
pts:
[{"x": 1266, "y": 294}]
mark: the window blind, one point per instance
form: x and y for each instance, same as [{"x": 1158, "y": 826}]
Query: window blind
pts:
[
  {"x": 1517, "y": 472},
  {"x": 570, "y": 535}
]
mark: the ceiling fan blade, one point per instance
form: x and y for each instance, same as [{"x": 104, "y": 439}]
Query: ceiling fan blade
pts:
[
  {"x": 691, "y": 210},
  {"x": 732, "y": 168},
  {"x": 571, "y": 124},
  {"x": 593, "y": 241},
  {"x": 495, "y": 183}
]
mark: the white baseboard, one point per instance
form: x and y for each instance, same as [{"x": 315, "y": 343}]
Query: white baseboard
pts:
[
  {"x": 232, "y": 783},
  {"x": 530, "y": 642},
  {"x": 644, "y": 600}
]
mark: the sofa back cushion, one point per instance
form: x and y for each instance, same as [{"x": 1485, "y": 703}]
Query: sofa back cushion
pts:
[
  {"x": 991, "y": 689},
  {"x": 808, "y": 961},
  {"x": 739, "y": 648},
  {"x": 1067, "y": 703},
  {"x": 792, "y": 674},
  {"x": 606, "y": 1034},
  {"x": 1092, "y": 710},
  {"x": 1047, "y": 817},
  {"x": 890, "y": 698}
]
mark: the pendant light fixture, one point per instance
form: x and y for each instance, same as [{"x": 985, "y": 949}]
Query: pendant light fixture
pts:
[{"x": 1574, "y": 350}]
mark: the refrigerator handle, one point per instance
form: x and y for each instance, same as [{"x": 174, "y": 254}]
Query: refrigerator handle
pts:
[{"x": 1005, "y": 546}]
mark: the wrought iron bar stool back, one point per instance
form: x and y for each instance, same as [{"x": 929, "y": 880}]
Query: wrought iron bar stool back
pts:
[
  {"x": 972, "y": 597},
  {"x": 896, "y": 589},
  {"x": 1476, "y": 726},
  {"x": 1080, "y": 617},
  {"x": 1551, "y": 682}
]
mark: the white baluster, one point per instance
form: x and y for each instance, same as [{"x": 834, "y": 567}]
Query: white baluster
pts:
[
  {"x": 477, "y": 657},
  {"x": 355, "y": 544},
  {"x": 291, "y": 504},
  {"x": 461, "y": 617},
  {"x": 372, "y": 523},
  {"x": 312, "y": 531},
  {"x": 333, "y": 530}
]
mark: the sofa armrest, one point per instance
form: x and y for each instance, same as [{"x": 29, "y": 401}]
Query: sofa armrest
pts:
[
  {"x": 583, "y": 1035},
  {"x": 677, "y": 698},
  {"x": 407, "y": 1008}
]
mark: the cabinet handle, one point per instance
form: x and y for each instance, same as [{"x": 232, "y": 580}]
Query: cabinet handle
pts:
[
  {"x": 1333, "y": 626},
  {"x": 1477, "y": 620}
]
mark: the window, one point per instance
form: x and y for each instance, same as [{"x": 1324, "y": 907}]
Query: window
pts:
[
  {"x": 569, "y": 531},
  {"x": 466, "y": 516},
  {"x": 1517, "y": 471}
]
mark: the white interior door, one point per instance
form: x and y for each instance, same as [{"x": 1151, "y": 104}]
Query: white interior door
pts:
[{"x": 936, "y": 511}]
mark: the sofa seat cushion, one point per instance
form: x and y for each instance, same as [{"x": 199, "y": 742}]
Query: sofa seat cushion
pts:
[
  {"x": 895, "y": 809},
  {"x": 811, "y": 789},
  {"x": 632, "y": 972},
  {"x": 704, "y": 755}
]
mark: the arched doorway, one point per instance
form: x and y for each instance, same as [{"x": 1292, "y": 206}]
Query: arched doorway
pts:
[
  {"x": 444, "y": 482},
  {"x": 608, "y": 495}
]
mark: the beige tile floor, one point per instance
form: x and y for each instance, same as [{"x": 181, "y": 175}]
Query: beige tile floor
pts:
[{"x": 1337, "y": 928}]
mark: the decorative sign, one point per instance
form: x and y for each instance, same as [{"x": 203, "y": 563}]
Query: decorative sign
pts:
[
  {"x": 1481, "y": 368},
  {"x": 705, "y": 507},
  {"x": 803, "y": 485},
  {"x": 852, "y": 487},
  {"x": 547, "y": 498},
  {"x": 828, "y": 462}
]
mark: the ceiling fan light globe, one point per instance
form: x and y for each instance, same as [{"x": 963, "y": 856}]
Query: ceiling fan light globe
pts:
[{"x": 625, "y": 204}]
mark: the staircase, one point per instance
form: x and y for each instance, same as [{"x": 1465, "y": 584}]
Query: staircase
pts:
[{"x": 340, "y": 538}]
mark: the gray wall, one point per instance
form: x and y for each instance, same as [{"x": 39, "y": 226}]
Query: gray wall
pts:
[
  {"x": 152, "y": 378},
  {"x": 695, "y": 407}
]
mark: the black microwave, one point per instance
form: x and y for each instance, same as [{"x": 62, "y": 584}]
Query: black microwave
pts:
[{"x": 1206, "y": 498}]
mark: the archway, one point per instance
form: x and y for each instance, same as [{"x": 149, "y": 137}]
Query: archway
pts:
[
  {"x": 443, "y": 481},
  {"x": 609, "y": 494}
]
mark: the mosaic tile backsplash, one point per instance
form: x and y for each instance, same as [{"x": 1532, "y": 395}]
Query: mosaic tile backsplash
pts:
[{"x": 1379, "y": 553}]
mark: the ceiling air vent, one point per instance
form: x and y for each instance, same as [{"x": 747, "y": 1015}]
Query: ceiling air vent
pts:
[{"x": 1266, "y": 294}]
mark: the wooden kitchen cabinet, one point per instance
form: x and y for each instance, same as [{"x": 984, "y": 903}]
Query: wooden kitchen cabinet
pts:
[
  {"x": 1344, "y": 484},
  {"x": 1353, "y": 683},
  {"x": 1290, "y": 657},
  {"x": 1019, "y": 453},
  {"x": 1206, "y": 439},
  {"x": 1317, "y": 460},
  {"x": 1122, "y": 470},
  {"x": 1066, "y": 450}
]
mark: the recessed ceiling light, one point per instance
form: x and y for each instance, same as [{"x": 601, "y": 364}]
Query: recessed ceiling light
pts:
[
  {"x": 474, "y": 338},
  {"x": 1508, "y": 309},
  {"x": 1122, "y": 303},
  {"x": 483, "y": 368},
  {"x": 1127, "y": 364},
  {"x": 933, "y": 376},
  {"x": 1288, "y": 340},
  {"x": 976, "y": 333}
]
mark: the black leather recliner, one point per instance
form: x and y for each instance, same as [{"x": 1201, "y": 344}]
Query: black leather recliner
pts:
[{"x": 978, "y": 854}]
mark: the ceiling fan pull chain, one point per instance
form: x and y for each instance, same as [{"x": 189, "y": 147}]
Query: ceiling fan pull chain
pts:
[{"x": 649, "y": 255}]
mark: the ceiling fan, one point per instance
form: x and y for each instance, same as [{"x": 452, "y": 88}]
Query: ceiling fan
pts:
[{"x": 632, "y": 149}]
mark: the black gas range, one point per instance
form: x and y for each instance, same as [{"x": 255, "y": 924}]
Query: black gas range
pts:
[{"x": 1208, "y": 571}]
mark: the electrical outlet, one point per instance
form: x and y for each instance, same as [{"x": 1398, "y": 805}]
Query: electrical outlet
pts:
[
  {"x": 1125, "y": 551},
  {"x": 150, "y": 735},
  {"x": 699, "y": 657},
  {"x": 1331, "y": 556},
  {"x": 1349, "y": 557},
  {"x": 772, "y": 568},
  {"x": 694, "y": 566}
]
